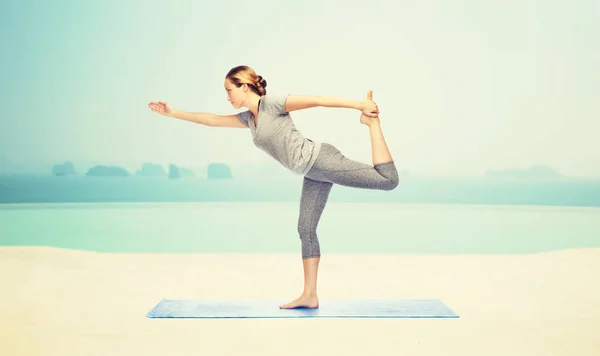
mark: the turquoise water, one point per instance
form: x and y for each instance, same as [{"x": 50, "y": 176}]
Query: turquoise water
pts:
[
  {"x": 42, "y": 189},
  {"x": 270, "y": 227}
]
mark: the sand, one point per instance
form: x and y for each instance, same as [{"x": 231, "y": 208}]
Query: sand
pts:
[{"x": 68, "y": 302}]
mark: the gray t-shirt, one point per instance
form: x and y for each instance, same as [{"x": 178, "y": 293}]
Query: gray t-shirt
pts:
[{"x": 276, "y": 134}]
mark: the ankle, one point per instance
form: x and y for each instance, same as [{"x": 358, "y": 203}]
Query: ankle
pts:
[
  {"x": 375, "y": 124},
  {"x": 309, "y": 294}
]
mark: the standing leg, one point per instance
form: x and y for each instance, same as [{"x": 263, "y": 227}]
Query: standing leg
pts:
[{"x": 312, "y": 203}]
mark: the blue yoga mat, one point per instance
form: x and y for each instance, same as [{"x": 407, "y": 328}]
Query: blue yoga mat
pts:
[{"x": 403, "y": 308}]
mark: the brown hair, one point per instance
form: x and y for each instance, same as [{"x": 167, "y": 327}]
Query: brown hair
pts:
[{"x": 245, "y": 75}]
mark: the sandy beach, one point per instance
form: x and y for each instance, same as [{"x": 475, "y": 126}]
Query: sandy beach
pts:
[{"x": 68, "y": 302}]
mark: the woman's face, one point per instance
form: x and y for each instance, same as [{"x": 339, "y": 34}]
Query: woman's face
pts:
[{"x": 236, "y": 96}]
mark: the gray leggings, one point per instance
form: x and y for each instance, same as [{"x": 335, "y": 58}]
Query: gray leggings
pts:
[{"x": 330, "y": 167}]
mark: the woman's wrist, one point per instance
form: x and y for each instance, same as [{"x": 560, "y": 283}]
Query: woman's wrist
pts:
[{"x": 359, "y": 105}]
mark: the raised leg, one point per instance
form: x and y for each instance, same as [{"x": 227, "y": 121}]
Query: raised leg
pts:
[
  {"x": 379, "y": 148},
  {"x": 332, "y": 166}
]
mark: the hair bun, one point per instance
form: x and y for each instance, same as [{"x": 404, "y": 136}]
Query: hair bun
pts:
[{"x": 261, "y": 81}]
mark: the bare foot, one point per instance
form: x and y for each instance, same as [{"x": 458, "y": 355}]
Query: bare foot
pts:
[
  {"x": 303, "y": 301},
  {"x": 366, "y": 120}
]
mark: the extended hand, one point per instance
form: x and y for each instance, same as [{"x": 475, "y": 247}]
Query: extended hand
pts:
[
  {"x": 369, "y": 108},
  {"x": 161, "y": 107}
]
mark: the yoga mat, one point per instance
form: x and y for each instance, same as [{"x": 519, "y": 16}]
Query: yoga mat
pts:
[{"x": 402, "y": 308}]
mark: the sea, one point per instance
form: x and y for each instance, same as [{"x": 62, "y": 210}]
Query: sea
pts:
[{"x": 420, "y": 216}]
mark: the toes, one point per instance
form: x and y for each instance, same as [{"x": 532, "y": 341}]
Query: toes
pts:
[{"x": 288, "y": 306}]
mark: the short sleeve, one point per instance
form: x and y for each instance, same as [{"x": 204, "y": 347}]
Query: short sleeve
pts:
[
  {"x": 274, "y": 103},
  {"x": 244, "y": 117}
]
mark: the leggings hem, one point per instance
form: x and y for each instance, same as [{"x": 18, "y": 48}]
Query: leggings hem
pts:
[{"x": 311, "y": 256}]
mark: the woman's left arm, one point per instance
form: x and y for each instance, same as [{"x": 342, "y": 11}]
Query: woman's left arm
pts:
[{"x": 299, "y": 102}]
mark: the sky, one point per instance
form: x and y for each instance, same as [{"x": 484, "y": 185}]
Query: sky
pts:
[{"x": 462, "y": 86}]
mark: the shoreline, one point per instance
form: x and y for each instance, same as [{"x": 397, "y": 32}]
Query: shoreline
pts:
[{"x": 252, "y": 202}]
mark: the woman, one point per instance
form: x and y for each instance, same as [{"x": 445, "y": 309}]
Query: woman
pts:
[{"x": 321, "y": 164}]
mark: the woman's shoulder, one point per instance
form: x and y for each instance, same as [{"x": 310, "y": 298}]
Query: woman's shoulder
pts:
[{"x": 274, "y": 102}]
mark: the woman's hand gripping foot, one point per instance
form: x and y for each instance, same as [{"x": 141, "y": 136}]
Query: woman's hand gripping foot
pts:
[{"x": 370, "y": 110}]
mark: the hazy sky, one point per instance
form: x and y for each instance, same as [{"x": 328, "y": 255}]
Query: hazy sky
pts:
[{"x": 462, "y": 86}]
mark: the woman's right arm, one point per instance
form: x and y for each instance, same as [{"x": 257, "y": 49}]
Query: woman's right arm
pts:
[
  {"x": 209, "y": 119},
  {"x": 202, "y": 118}
]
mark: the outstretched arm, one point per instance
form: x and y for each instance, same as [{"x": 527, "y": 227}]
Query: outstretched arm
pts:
[
  {"x": 298, "y": 102},
  {"x": 209, "y": 119}
]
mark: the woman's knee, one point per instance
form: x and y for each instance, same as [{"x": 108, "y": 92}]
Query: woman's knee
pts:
[
  {"x": 392, "y": 183},
  {"x": 390, "y": 173},
  {"x": 305, "y": 230}
]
